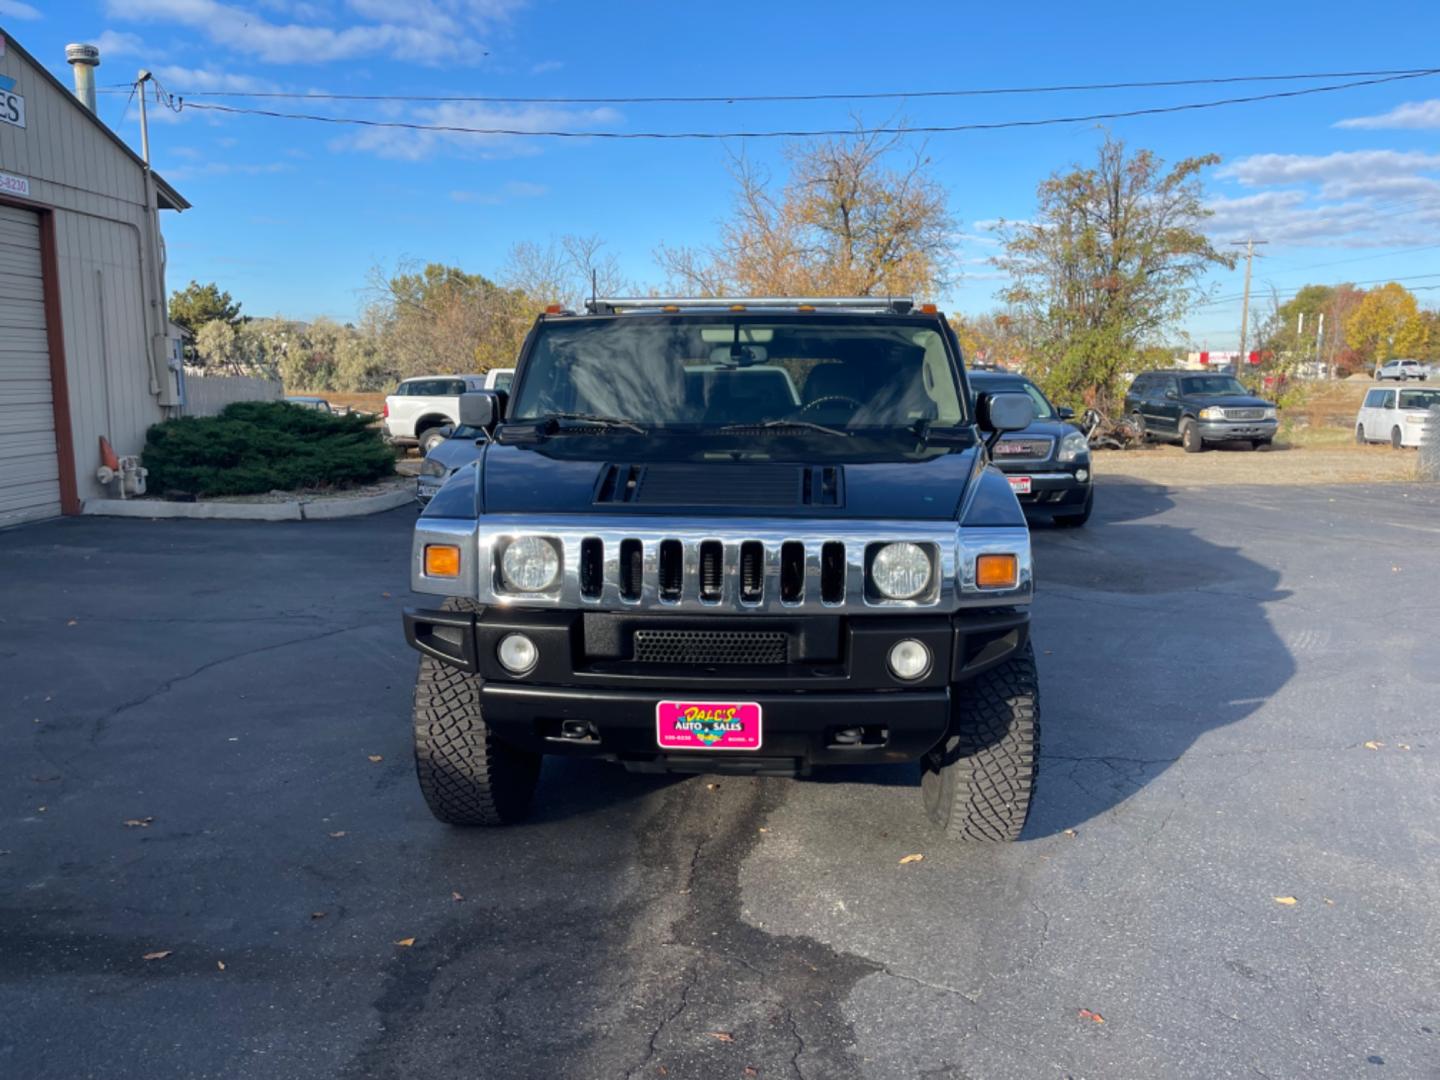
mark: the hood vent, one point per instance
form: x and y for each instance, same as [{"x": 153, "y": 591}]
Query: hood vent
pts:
[{"x": 723, "y": 485}]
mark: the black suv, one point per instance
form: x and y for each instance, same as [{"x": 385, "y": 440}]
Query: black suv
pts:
[
  {"x": 1197, "y": 408},
  {"x": 731, "y": 535},
  {"x": 1047, "y": 464}
]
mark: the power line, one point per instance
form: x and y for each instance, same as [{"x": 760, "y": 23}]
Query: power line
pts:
[
  {"x": 925, "y": 129},
  {"x": 1220, "y": 300},
  {"x": 728, "y": 99},
  {"x": 1359, "y": 258}
]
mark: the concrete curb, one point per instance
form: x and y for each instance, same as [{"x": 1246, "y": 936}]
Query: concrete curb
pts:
[{"x": 293, "y": 510}]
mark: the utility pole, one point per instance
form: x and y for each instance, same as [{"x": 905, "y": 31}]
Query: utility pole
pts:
[
  {"x": 140, "y": 81},
  {"x": 1245, "y": 304}
]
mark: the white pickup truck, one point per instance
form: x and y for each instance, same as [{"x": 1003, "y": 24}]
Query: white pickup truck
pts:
[{"x": 419, "y": 408}]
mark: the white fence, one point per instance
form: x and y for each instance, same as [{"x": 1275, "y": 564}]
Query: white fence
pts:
[{"x": 206, "y": 395}]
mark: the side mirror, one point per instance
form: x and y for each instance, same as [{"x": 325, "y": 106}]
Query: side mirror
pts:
[
  {"x": 1005, "y": 412},
  {"x": 1171, "y": 395},
  {"x": 1065, "y": 412},
  {"x": 482, "y": 408}
]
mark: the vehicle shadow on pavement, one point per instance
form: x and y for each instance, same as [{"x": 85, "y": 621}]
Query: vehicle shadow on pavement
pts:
[
  {"x": 1148, "y": 636},
  {"x": 572, "y": 787}
]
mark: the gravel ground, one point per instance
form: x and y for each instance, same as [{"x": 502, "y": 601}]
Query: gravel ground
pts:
[
  {"x": 1232, "y": 869},
  {"x": 1282, "y": 465}
]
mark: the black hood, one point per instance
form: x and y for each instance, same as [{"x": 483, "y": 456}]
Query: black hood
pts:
[{"x": 530, "y": 480}]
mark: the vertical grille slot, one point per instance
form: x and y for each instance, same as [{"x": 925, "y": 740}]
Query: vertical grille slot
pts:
[
  {"x": 832, "y": 572},
  {"x": 672, "y": 563},
  {"x": 712, "y": 569},
  {"x": 619, "y": 484},
  {"x": 792, "y": 571},
  {"x": 592, "y": 567},
  {"x": 632, "y": 569},
  {"x": 752, "y": 571},
  {"x": 821, "y": 486}
]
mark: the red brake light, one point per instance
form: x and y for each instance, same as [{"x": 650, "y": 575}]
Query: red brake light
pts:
[{"x": 386, "y": 414}]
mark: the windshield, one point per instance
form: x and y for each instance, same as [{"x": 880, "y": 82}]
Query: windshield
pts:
[
  {"x": 1419, "y": 399},
  {"x": 850, "y": 373},
  {"x": 1043, "y": 409},
  {"x": 1213, "y": 386}
]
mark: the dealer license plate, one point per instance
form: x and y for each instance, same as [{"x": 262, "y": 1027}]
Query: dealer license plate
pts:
[
  {"x": 708, "y": 725},
  {"x": 1020, "y": 484}
]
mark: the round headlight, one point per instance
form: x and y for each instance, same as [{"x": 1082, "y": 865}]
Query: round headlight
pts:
[
  {"x": 530, "y": 564},
  {"x": 909, "y": 659},
  {"x": 517, "y": 653},
  {"x": 901, "y": 571}
]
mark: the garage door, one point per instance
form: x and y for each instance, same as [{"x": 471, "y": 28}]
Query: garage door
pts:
[{"x": 29, "y": 468}]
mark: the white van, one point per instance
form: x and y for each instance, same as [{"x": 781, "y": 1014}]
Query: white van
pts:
[{"x": 1395, "y": 416}]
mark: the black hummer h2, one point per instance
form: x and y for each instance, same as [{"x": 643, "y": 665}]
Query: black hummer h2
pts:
[{"x": 731, "y": 535}]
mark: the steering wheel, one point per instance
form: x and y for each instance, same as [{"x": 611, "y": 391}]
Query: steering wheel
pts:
[{"x": 827, "y": 399}]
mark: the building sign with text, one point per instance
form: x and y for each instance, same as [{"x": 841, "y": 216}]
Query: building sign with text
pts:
[
  {"x": 14, "y": 185},
  {"x": 12, "y": 108}
]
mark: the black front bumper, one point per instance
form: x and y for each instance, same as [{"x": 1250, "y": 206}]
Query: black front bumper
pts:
[{"x": 833, "y": 700}]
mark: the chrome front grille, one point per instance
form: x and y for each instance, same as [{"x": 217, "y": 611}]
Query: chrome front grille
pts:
[
  {"x": 1244, "y": 414},
  {"x": 752, "y": 565},
  {"x": 729, "y": 565},
  {"x": 1024, "y": 448}
]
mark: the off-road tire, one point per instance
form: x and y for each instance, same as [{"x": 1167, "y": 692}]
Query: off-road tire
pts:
[
  {"x": 1395, "y": 438},
  {"x": 467, "y": 774},
  {"x": 977, "y": 784},
  {"x": 1190, "y": 437}
]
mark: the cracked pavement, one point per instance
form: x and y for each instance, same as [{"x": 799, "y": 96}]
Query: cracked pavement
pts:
[{"x": 1239, "y": 691}]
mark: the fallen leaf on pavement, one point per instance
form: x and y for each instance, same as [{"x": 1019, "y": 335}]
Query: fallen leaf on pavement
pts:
[
  {"x": 386, "y": 595},
  {"x": 764, "y": 829},
  {"x": 376, "y": 757},
  {"x": 721, "y": 1036},
  {"x": 138, "y": 822},
  {"x": 456, "y": 897},
  {"x": 1404, "y": 746},
  {"x": 73, "y": 622},
  {"x": 220, "y": 964},
  {"x": 160, "y": 955},
  {"x": 712, "y": 787},
  {"x": 1373, "y": 745},
  {"x": 1086, "y": 1014},
  {"x": 1329, "y": 901},
  {"x": 41, "y": 809},
  {"x": 318, "y": 914},
  {"x": 405, "y": 942},
  {"x": 337, "y": 835},
  {"x": 910, "y": 859},
  {"x": 1288, "y": 901},
  {"x": 750, "y": 1070},
  {"x": 1071, "y": 833}
]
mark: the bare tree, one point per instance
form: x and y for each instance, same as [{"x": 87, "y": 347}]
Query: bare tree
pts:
[{"x": 563, "y": 271}]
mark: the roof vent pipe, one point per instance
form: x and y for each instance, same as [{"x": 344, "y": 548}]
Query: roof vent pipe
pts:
[{"x": 84, "y": 59}]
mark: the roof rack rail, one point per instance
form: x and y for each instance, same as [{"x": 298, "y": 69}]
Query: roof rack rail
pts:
[{"x": 900, "y": 305}]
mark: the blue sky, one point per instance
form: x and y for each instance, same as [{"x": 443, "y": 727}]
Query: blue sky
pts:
[{"x": 290, "y": 216}]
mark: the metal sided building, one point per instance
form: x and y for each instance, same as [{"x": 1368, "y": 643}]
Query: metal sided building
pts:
[{"x": 84, "y": 345}]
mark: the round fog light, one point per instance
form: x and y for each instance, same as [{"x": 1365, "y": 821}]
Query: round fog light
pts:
[
  {"x": 517, "y": 653},
  {"x": 1082, "y": 475},
  {"x": 909, "y": 659}
]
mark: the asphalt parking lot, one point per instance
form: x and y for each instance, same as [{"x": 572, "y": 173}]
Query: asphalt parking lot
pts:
[{"x": 1240, "y": 704}]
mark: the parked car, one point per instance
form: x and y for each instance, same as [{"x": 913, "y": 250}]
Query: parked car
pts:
[
  {"x": 419, "y": 408},
  {"x": 319, "y": 404},
  {"x": 1403, "y": 370},
  {"x": 713, "y": 573},
  {"x": 1198, "y": 409},
  {"x": 1394, "y": 416},
  {"x": 499, "y": 378},
  {"x": 462, "y": 446},
  {"x": 1047, "y": 464}
]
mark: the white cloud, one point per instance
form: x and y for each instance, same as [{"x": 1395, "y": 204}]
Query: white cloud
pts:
[
  {"x": 515, "y": 189},
  {"x": 1415, "y": 115},
  {"x": 406, "y": 144},
  {"x": 113, "y": 43},
  {"x": 425, "y": 31},
  {"x": 17, "y": 10},
  {"x": 226, "y": 168},
  {"x": 183, "y": 80},
  {"x": 1263, "y": 169}
]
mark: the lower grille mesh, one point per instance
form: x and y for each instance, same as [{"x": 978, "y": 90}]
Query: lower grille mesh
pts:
[{"x": 710, "y": 646}]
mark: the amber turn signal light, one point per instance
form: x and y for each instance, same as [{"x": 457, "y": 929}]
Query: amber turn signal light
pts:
[
  {"x": 442, "y": 560},
  {"x": 997, "y": 571}
]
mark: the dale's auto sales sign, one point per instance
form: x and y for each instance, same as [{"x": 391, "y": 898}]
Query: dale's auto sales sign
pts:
[{"x": 12, "y": 108}]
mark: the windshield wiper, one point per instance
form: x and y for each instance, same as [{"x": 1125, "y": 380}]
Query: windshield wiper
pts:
[
  {"x": 806, "y": 425},
  {"x": 591, "y": 420},
  {"x": 925, "y": 430}
]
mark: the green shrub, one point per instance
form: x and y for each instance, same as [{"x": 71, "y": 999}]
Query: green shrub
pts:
[{"x": 258, "y": 446}]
